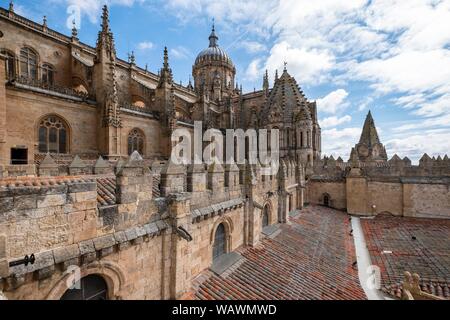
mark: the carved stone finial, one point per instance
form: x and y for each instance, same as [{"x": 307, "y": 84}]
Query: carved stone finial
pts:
[
  {"x": 132, "y": 58},
  {"x": 74, "y": 30},
  {"x": 11, "y": 6}
]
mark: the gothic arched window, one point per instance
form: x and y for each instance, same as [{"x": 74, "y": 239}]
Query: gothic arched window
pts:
[
  {"x": 136, "y": 142},
  {"x": 219, "y": 247},
  {"x": 53, "y": 135},
  {"x": 9, "y": 64},
  {"x": 92, "y": 287},
  {"x": 48, "y": 74},
  {"x": 28, "y": 63}
]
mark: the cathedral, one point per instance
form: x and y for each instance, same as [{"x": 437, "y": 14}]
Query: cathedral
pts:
[{"x": 89, "y": 195}]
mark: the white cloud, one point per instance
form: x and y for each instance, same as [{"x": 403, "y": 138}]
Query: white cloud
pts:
[
  {"x": 414, "y": 145},
  {"x": 92, "y": 8},
  {"x": 145, "y": 45},
  {"x": 334, "y": 121},
  {"x": 254, "y": 70},
  {"x": 253, "y": 46},
  {"x": 333, "y": 102},
  {"x": 339, "y": 142},
  {"x": 180, "y": 53}
]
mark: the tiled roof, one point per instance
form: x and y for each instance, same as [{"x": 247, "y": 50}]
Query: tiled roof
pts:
[
  {"x": 311, "y": 258},
  {"x": 106, "y": 191},
  {"x": 421, "y": 246}
]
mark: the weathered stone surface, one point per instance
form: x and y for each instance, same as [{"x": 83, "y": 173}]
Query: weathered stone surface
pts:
[
  {"x": 104, "y": 242},
  {"x": 66, "y": 253},
  {"x": 6, "y": 204},
  {"x": 51, "y": 200},
  {"x": 45, "y": 273},
  {"x": 25, "y": 202},
  {"x": 86, "y": 247}
]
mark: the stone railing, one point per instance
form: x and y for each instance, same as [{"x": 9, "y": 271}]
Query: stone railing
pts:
[
  {"x": 146, "y": 110},
  {"x": 20, "y": 81}
]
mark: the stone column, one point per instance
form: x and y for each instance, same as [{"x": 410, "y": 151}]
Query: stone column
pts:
[
  {"x": 173, "y": 179},
  {"x": 216, "y": 178},
  {"x": 196, "y": 178},
  {"x": 180, "y": 214},
  {"x": 4, "y": 157},
  {"x": 134, "y": 182}
]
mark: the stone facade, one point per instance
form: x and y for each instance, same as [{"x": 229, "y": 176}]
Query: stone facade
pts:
[
  {"x": 370, "y": 185},
  {"x": 87, "y": 187}
]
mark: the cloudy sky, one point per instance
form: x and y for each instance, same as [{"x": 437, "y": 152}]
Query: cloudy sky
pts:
[{"x": 392, "y": 57}]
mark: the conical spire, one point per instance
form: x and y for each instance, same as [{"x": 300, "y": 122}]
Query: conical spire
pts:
[
  {"x": 266, "y": 82},
  {"x": 213, "y": 38},
  {"x": 105, "y": 19},
  {"x": 369, "y": 135},
  {"x": 105, "y": 40},
  {"x": 165, "y": 72},
  {"x": 74, "y": 30}
]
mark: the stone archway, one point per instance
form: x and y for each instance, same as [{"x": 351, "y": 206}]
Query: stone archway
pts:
[
  {"x": 111, "y": 273},
  {"x": 221, "y": 237},
  {"x": 92, "y": 287}
]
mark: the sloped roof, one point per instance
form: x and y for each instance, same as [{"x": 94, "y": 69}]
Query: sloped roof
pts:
[{"x": 287, "y": 95}]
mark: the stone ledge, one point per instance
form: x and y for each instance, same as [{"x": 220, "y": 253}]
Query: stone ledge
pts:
[
  {"x": 216, "y": 209},
  {"x": 84, "y": 252}
]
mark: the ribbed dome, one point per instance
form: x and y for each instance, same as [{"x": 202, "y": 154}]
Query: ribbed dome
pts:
[{"x": 213, "y": 52}]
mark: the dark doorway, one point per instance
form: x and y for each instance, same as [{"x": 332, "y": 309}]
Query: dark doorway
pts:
[
  {"x": 219, "y": 247},
  {"x": 92, "y": 287},
  {"x": 19, "y": 156},
  {"x": 326, "y": 200},
  {"x": 265, "y": 217}
]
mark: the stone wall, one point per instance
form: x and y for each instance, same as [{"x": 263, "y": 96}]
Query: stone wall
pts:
[
  {"x": 426, "y": 200},
  {"x": 335, "y": 189}
]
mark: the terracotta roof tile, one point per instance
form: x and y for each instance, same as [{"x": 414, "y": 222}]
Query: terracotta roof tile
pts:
[
  {"x": 310, "y": 259},
  {"x": 422, "y": 246}
]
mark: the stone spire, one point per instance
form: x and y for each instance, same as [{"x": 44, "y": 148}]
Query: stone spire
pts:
[
  {"x": 105, "y": 42},
  {"x": 111, "y": 115},
  {"x": 11, "y": 6},
  {"x": 213, "y": 38},
  {"x": 74, "y": 30},
  {"x": 44, "y": 23},
  {"x": 132, "y": 58},
  {"x": 166, "y": 72},
  {"x": 266, "y": 83},
  {"x": 369, "y": 135}
]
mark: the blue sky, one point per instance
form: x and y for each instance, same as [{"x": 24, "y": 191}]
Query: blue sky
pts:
[{"x": 392, "y": 57}]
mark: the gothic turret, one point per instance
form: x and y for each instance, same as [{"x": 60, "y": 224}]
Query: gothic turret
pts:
[
  {"x": 369, "y": 147},
  {"x": 105, "y": 82}
]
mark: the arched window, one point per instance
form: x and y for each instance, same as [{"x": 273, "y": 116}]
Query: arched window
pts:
[
  {"x": 28, "y": 63},
  {"x": 9, "y": 64},
  {"x": 47, "y": 74},
  {"x": 136, "y": 142},
  {"x": 92, "y": 287},
  {"x": 265, "y": 217},
  {"x": 219, "y": 247},
  {"x": 53, "y": 135}
]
